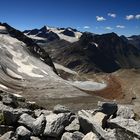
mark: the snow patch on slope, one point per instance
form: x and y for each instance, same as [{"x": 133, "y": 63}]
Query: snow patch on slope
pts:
[
  {"x": 60, "y": 67},
  {"x": 65, "y": 37},
  {"x": 89, "y": 85},
  {"x": 3, "y": 87},
  {"x": 24, "y": 64}
]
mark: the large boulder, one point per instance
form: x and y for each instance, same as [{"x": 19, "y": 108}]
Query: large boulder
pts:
[
  {"x": 73, "y": 126},
  {"x": 55, "y": 124},
  {"x": 7, "y": 136},
  {"x": 67, "y": 136},
  {"x": 89, "y": 124},
  {"x": 125, "y": 111},
  {"x": 11, "y": 116},
  {"x": 35, "y": 125},
  {"x": 100, "y": 118},
  {"x": 109, "y": 108},
  {"x": 125, "y": 128},
  {"x": 23, "y": 133},
  {"x": 4, "y": 129},
  {"x": 8, "y": 99},
  {"x": 39, "y": 125},
  {"x": 77, "y": 135},
  {"x": 90, "y": 136}
]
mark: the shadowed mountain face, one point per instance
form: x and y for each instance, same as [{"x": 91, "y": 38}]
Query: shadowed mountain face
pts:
[
  {"x": 95, "y": 53},
  {"x": 134, "y": 40}
]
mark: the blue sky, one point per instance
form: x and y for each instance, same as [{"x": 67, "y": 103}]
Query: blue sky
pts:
[{"x": 98, "y": 16}]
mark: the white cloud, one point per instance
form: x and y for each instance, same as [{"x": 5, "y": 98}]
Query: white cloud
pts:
[
  {"x": 100, "y": 18},
  {"x": 86, "y": 27},
  {"x": 112, "y": 15},
  {"x": 137, "y": 16},
  {"x": 120, "y": 26},
  {"x": 108, "y": 28},
  {"x": 129, "y": 17}
]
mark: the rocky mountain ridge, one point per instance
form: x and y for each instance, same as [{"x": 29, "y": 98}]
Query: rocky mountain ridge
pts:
[
  {"x": 47, "y": 34},
  {"x": 95, "y": 53}
]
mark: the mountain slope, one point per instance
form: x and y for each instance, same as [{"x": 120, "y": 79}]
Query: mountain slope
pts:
[
  {"x": 95, "y": 53},
  {"x": 134, "y": 40},
  {"x": 22, "y": 72},
  {"x": 31, "y": 46}
]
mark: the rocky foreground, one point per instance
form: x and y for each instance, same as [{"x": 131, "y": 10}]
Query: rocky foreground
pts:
[{"x": 21, "y": 120}]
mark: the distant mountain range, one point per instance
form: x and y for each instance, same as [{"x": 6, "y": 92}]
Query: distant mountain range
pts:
[
  {"x": 88, "y": 52},
  {"x": 47, "y": 34}
]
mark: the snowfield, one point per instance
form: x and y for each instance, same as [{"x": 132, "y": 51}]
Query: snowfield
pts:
[{"x": 89, "y": 85}]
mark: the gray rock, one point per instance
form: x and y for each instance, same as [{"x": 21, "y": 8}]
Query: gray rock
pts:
[
  {"x": 109, "y": 108},
  {"x": 35, "y": 125},
  {"x": 73, "y": 126},
  {"x": 12, "y": 115},
  {"x": 7, "y": 136},
  {"x": 125, "y": 111},
  {"x": 23, "y": 133},
  {"x": 26, "y": 120},
  {"x": 4, "y": 129},
  {"x": 60, "y": 109},
  {"x": 55, "y": 124},
  {"x": 127, "y": 127},
  {"x": 77, "y": 135},
  {"x": 8, "y": 99},
  {"x": 72, "y": 136},
  {"x": 88, "y": 124},
  {"x": 39, "y": 125},
  {"x": 110, "y": 134},
  {"x": 67, "y": 136},
  {"x": 90, "y": 136},
  {"x": 100, "y": 118}
]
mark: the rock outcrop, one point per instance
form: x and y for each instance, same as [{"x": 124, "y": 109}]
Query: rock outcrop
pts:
[{"x": 38, "y": 124}]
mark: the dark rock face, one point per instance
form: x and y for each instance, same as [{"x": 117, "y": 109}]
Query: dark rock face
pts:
[
  {"x": 31, "y": 46},
  {"x": 96, "y": 53},
  {"x": 135, "y": 40},
  {"x": 35, "y": 31},
  {"x": 108, "y": 108},
  {"x": 51, "y": 36},
  {"x": 23, "y": 133},
  {"x": 68, "y": 33}
]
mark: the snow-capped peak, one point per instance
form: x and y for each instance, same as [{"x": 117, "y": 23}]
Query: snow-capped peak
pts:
[{"x": 68, "y": 34}]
